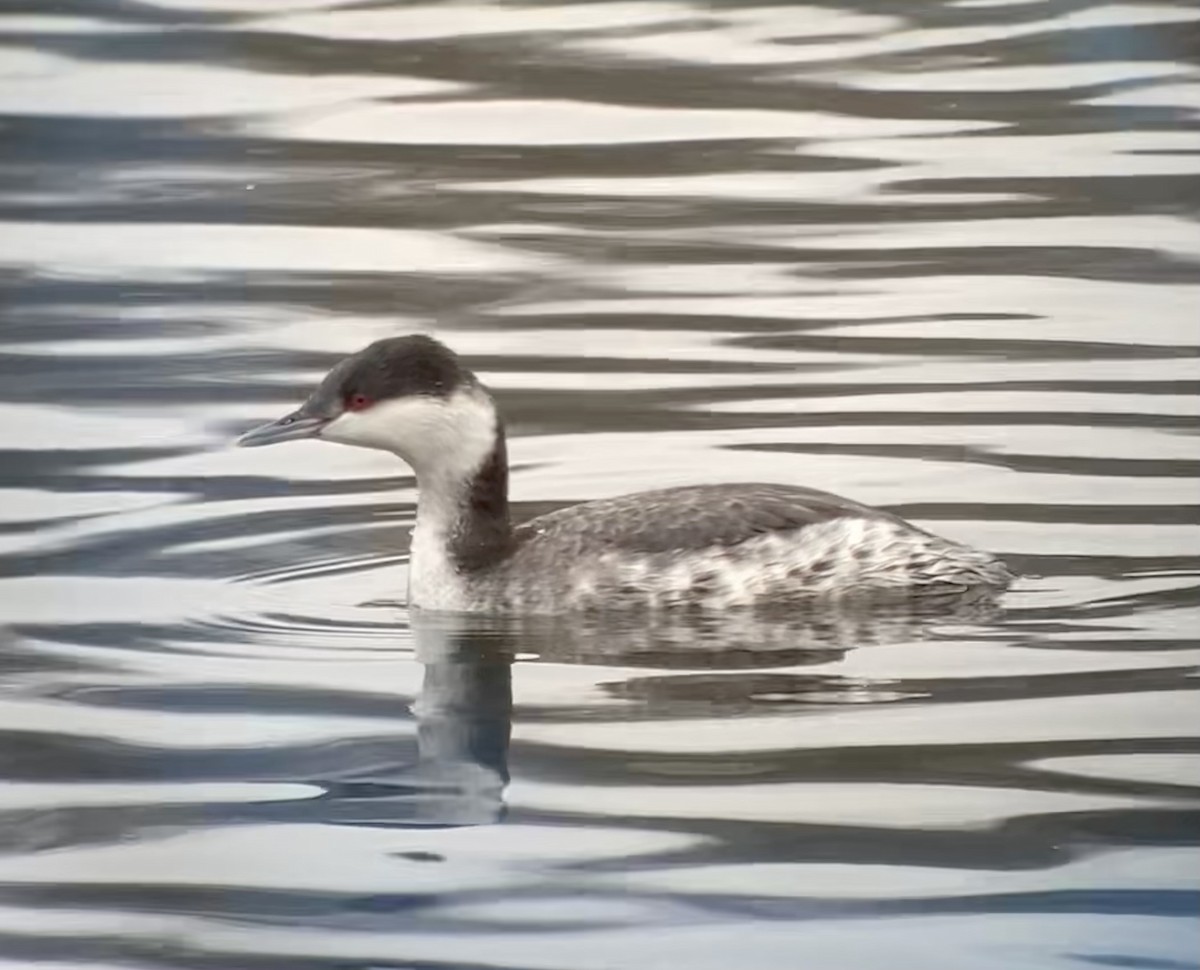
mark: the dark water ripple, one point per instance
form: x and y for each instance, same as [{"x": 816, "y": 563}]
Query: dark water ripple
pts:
[{"x": 941, "y": 257}]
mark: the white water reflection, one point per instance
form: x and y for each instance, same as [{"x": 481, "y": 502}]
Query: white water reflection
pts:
[
  {"x": 131, "y": 250},
  {"x": 43, "y": 84},
  {"x": 578, "y": 123},
  {"x": 415, "y": 22}
]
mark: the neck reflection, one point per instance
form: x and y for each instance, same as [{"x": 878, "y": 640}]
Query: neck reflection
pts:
[{"x": 464, "y": 719}]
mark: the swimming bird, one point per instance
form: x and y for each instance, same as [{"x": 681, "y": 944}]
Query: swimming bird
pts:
[{"x": 706, "y": 547}]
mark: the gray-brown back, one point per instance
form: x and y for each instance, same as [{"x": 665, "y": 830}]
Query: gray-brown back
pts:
[{"x": 688, "y": 518}]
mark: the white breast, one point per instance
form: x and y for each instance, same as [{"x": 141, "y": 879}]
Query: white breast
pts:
[{"x": 433, "y": 582}]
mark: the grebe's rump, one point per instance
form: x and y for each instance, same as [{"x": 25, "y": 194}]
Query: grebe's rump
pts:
[{"x": 706, "y": 547}]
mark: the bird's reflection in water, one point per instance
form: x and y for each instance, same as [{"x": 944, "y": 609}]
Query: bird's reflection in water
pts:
[
  {"x": 464, "y": 719},
  {"x": 701, "y": 664}
]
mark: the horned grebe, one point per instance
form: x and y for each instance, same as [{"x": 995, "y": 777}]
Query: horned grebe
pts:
[{"x": 704, "y": 546}]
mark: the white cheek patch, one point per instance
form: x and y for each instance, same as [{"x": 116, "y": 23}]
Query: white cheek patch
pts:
[
  {"x": 398, "y": 425},
  {"x": 440, "y": 438}
]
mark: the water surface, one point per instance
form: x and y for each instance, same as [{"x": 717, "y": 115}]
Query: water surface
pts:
[{"x": 940, "y": 257}]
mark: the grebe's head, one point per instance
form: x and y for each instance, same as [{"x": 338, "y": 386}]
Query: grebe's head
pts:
[{"x": 408, "y": 395}]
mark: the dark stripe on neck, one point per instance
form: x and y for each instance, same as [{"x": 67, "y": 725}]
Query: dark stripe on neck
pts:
[{"x": 483, "y": 535}]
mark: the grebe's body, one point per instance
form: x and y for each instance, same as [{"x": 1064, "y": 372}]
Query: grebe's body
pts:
[
  {"x": 703, "y": 547},
  {"x": 706, "y": 547}
]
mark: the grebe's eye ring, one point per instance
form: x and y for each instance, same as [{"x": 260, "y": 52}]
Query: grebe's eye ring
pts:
[{"x": 358, "y": 402}]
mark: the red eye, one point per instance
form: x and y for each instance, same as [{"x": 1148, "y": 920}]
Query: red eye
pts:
[{"x": 356, "y": 402}]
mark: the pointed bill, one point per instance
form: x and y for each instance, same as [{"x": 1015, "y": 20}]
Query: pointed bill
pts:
[{"x": 291, "y": 427}]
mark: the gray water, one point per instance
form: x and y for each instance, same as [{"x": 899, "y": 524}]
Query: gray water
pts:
[{"x": 941, "y": 257}]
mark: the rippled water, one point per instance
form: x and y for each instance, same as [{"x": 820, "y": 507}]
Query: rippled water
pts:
[{"x": 941, "y": 257}]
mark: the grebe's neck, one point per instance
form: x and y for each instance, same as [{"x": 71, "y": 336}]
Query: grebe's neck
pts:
[
  {"x": 462, "y": 481},
  {"x": 466, "y": 513},
  {"x": 455, "y": 444}
]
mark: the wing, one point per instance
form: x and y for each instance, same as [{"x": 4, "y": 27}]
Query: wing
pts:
[{"x": 693, "y": 517}]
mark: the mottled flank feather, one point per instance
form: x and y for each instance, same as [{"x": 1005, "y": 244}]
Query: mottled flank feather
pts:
[{"x": 720, "y": 547}]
